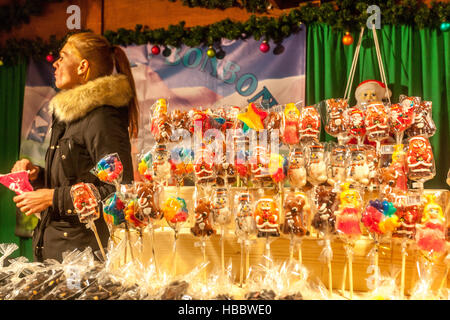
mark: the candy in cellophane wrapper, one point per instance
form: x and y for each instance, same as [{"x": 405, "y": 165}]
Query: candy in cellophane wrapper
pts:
[
  {"x": 309, "y": 120},
  {"x": 133, "y": 215},
  {"x": 430, "y": 231},
  {"x": 6, "y": 249},
  {"x": 420, "y": 160},
  {"x": 392, "y": 171},
  {"x": 356, "y": 127},
  {"x": 338, "y": 162},
  {"x": 204, "y": 166},
  {"x": 290, "y": 125},
  {"x": 278, "y": 168},
  {"x": 114, "y": 210},
  {"x": 324, "y": 199},
  {"x": 224, "y": 166},
  {"x": 348, "y": 215},
  {"x": 402, "y": 116},
  {"x": 16, "y": 181},
  {"x": 161, "y": 167},
  {"x": 296, "y": 168},
  {"x": 109, "y": 169},
  {"x": 145, "y": 161},
  {"x": 182, "y": 163},
  {"x": 361, "y": 165},
  {"x": 203, "y": 219},
  {"x": 85, "y": 197},
  {"x": 273, "y": 123},
  {"x": 377, "y": 123},
  {"x": 423, "y": 124},
  {"x": 316, "y": 168},
  {"x": 175, "y": 212},
  {"x": 297, "y": 211},
  {"x": 221, "y": 207},
  {"x": 379, "y": 218},
  {"x": 337, "y": 119},
  {"x": 267, "y": 218},
  {"x": 259, "y": 165},
  {"x": 245, "y": 225},
  {"x": 147, "y": 197},
  {"x": 180, "y": 123},
  {"x": 160, "y": 124}
]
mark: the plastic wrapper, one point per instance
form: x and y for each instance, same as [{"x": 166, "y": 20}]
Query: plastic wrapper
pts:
[
  {"x": 423, "y": 124},
  {"x": 134, "y": 216},
  {"x": 420, "y": 160},
  {"x": 316, "y": 168},
  {"x": 147, "y": 197},
  {"x": 379, "y": 218},
  {"x": 17, "y": 182},
  {"x": 224, "y": 166},
  {"x": 145, "y": 160},
  {"x": 290, "y": 125},
  {"x": 85, "y": 199},
  {"x": 430, "y": 232},
  {"x": 106, "y": 286},
  {"x": 114, "y": 210},
  {"x": 109, "y": 169},
  {"x": 6, "y": 249},
  {"x": 267, "y": 218},
  {"x": 296, "y": 168},
  {"x": 175, "y": 212},
  {"x": 337, "y": 119},
  {"x": 245, "y": 225},
  {"x": 325, "y": 204},
  {"x": 203, "y": 219},
  {"x": 392, "y": 171},
  {"x": 274, "y": 126},
  {"x": 253, "y": 118},
  {"x": 376, "y": 122},
  {"x": 338, "y": 162},
  {"x": 349, "y": 212},
  {"x": 180, "y": 123},
  {"x": 309, "y": 121},
  {"x": 204, "y": 166},
  {"x": 259, "y": 165},
  {"x": 221, "y": 209},
  {"x": 182, "y": 163},
  {"x": 161, "y": 167},
  {"x": 200, "y": 122},
  {"x": 160, "y": 124},
  {"x": 297, "y": 212},
  {"x": 361, "y": 168},
  {"x": 278, "y": 168},
  {"x": 402, "y": 116},
  {"x": 356, "y": 127},
  {"x": 409, "y": 211}
]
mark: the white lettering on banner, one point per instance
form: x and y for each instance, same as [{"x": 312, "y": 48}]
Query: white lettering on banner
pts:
[
  {"x": 74, "y": 20},
  {"x": 376, "y": 15}
]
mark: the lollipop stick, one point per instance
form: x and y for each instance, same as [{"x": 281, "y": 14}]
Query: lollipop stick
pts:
[
  {"x": 94, "y": 229},
  {"x": 247, "y": 259},
  {"x": 291, "y": 249},
  {"x": 402, "y": 281},
  {"x": 330, "y": 279},
  {"x": 129, "y": 241},
  {"x": 344, "y": 278},
  {"x": 204, "y": 258},
  {"x": 350, "y": 273},
  {"x": 300, "y": 258},
  {"x": 267, "y": 251},
  {"x": 241, "y": 271},
  {"x": 175, "y": 254},
  {"x": 153, "y": 248},
  {"x": 222, "y": 249}
]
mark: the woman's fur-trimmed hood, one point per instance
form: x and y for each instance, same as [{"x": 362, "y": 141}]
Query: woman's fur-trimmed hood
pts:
[{"x": 73, "y": 104}]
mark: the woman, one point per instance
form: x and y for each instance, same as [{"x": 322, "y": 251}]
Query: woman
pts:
[{"x": 95, "y": 114}]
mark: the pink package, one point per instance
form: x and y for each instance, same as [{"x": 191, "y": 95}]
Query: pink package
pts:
[{"x": 17, "y": 182}]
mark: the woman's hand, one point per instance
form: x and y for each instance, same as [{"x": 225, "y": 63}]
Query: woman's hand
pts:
[
  {"x": 26, "y": 165},
  {"x": 34, "y": 201}
]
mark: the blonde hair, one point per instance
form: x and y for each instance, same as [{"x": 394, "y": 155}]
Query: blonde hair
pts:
[{"x": 102, "y": 58}]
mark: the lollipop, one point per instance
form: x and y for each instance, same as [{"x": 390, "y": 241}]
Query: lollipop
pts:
[
  {"x": 377, "y": 123},
  {"x": 316, "y": 165},
  {"x": 347, "y": 216},
  {"x": 202, "y": 226},
  {"x": 160, "y": 126},
  {"x": 180, "y": 122},
  {"x": 420, "y": 160},
  {"x": 430, "y": 233},
  {"x": 203, "y": 166},
  {"x": 401, "y": 118},
  {"x": 338, "y": 164},
  {"x": 296, "y": 217},
  {"x": 220, "y": 207},
  {"x": 161, "y": 166},
  {"x": 290, "y": 128},
  {"x": 337, "y": 119},
  {"x": 16, "y": 181},
  {"x": 273, "y": 124},
  {"x": 267, "y": 218},
  {"x": 145, "y": 165},
  {"x": 278, "y": 166},
  {"x": 296, "y": 169},
  {"x": 134, "y": 216},
  {"x": 356, "y": 126},
  {"x": 309, "y": 124},
  {"x": 113, "y": 210},
  {"x": 85, "y": 202},
  {"x": 109, "y": 169},
  {"x": 259, "y": 165},
  {"x": 181, "y": 162},
  {"x": 423, "y": 124},
  {"x": 359, "y": 170},
  {"x": 245, "y": 227}
]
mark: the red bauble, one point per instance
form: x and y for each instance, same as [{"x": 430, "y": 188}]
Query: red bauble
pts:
[
  {"x": 347, "y": 39},
  {"x": 156, "y": 50},
  {"x": 49, "y": 58},
  {"x": 264, "y": 47}
]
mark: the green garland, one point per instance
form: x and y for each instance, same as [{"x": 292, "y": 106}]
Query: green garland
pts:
[
  {"x": 258, "y": 6},
  {"x": 346, "y": 16},
  {"x": 15, "y": 14}
]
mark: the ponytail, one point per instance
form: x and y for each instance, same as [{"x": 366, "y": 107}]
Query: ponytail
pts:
[{"x": 123, "y": 66}]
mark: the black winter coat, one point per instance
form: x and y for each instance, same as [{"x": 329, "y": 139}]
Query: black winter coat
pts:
[{"x": 80, "y": 136}]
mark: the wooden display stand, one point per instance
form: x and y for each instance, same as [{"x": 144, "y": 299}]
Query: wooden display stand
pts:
[{"x": 189, "y": 255}]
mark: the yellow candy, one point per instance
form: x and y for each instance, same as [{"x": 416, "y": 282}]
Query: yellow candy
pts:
[
  {"x": 142, "y": 167},
  {"x": 102, "y": 175}
]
